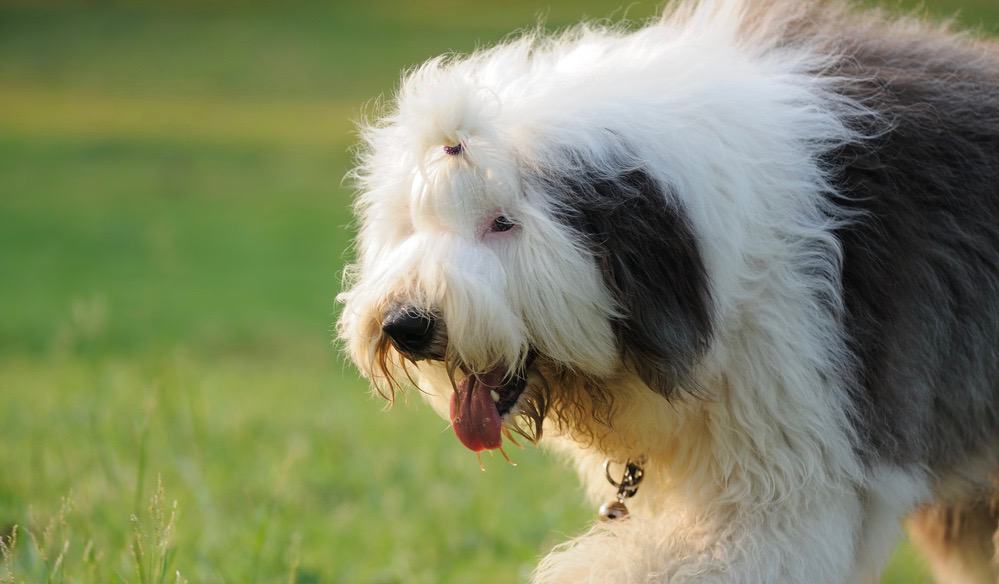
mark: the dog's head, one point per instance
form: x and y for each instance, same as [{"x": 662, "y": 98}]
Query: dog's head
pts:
[{"x": 516, "y": 254}]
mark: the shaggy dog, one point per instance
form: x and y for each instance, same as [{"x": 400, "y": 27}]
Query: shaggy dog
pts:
[{"x": 752, "y": 249}]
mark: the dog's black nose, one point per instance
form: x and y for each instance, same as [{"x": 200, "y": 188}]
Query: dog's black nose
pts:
[{"x": 411, "y": 331}]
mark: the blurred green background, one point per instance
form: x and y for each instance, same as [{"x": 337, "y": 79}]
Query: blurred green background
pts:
[{"x": 173, "y": 221}]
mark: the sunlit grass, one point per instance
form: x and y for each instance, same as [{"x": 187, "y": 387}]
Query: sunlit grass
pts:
[
  {"x": 42, "y": 111},
  {"x": 272, "y": 465}
]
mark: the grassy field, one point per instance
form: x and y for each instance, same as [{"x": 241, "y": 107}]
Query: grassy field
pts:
[{"x": 172, "y": 226}]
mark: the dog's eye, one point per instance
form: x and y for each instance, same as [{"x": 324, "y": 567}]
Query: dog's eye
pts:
[{"x": 501, "y": 224}]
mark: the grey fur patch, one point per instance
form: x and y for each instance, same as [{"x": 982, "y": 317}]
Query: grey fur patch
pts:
[
  {"x": 651, "y": 263},
  {"x": 921, "y": 263}
]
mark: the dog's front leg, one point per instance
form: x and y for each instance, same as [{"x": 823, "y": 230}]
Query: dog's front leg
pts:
[{"x": 811, "y": 542}]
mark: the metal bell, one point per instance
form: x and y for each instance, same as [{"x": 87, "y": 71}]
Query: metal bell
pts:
[
  {"x": 613, "y": 510},
  {"x": 626, "y": 488}
]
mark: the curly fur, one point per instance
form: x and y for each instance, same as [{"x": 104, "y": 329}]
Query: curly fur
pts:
[{"x": 756, "y": 241}]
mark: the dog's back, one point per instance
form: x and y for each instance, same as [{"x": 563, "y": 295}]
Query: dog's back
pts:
[
  {"x": 921, "y": 273},
  {"x": 921, "y": 253}
]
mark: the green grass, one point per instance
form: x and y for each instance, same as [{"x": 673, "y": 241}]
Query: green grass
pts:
[{"x": 172, "y": 226}]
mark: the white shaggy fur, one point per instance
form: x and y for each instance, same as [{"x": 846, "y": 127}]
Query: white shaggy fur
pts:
[{"x": 759, "y": 480}]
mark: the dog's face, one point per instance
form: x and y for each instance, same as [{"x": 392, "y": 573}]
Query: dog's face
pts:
[{"x": 511, "y": 273}]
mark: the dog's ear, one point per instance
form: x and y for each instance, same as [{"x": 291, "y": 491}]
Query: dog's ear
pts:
[{"x": 651, "y": 262}]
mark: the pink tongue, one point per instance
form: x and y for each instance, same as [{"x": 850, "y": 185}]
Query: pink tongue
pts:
[{"x": 474, "y": 416}]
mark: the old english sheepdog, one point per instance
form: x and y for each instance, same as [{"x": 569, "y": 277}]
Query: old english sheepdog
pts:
[{"x": 747, "y": 255}]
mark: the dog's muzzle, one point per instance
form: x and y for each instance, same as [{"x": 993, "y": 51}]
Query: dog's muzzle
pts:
[{"x": 481, "y": 400}]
